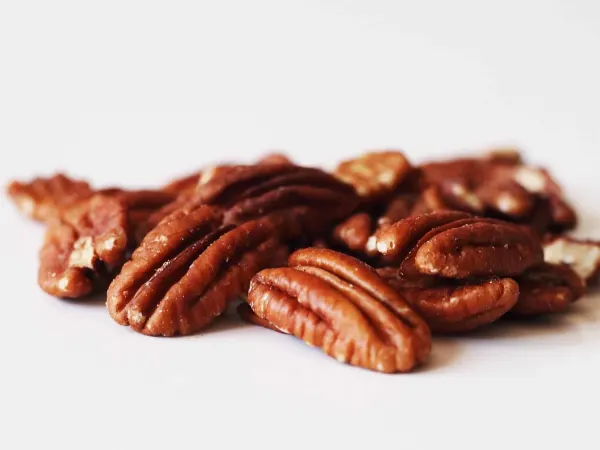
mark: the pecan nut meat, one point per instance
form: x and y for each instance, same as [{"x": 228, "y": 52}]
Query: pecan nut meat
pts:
[
  {"x": 375, "y": 174},
  {"x": 459, "y": 307},
  {"x": 449, "y": 245},
  {"x": 83, "y": 248},
  {"x": 245, "y": 312},
  {"x": 339, "y": 304},
  {"x": 187, "y": 270},
  {"x": 583, "y": 256},
  {"x": 547, "y": 288},
  {"x": 43, "y": 199}
]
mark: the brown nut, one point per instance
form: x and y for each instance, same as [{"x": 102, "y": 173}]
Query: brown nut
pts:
[
  {"x": 187, "y": 270},
  {"x": 185, "y": 185},
  {"x": 546, "y": 289},
  {"x": 247, "y": 315},
  {"x": 82, "y": 249},
  {"x": 375, "y": 174},
  {"x": 435, "y": 244},
  {"x": 339, "y": 304},
  {"x": 43, "y": 199},
  {"x": 247, "y": 192},
  {"x": 457, "y": 307},
  {"x": 583, "y": 256},
  {"x": 275, "y": 158}
]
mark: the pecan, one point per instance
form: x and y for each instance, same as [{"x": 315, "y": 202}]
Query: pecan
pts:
[
  {"x": 247, "y": 192},
  {"x": 83, "y": 247},
  {"x": 356, "y": 234},
  {"x": 454, "y": 245},
  {"x": 247, "y": 315},
  {"x": 547, "y": 288},
  {"x": 185, "y": 185},
  {"x": 275, "y": 158},
  {"x": 457, "y": 306},
  {"x": 43, "y": 199},
  {"x": 583, "y": 256},
  {"x": 335, "y": 302},
  {"x": 187, "y": 269},
  {"x": 374, "y": 174}
]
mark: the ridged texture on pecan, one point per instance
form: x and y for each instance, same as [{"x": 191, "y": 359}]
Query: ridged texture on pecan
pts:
[
  {"x": 83, "y": 248},
  {"x": 458, "y": 306},
  {"x": 375, "y": 174},
  {"x": 583, "y": 256},
  {"x": 547, "y": 288},
  {"x": 247, "y": 192},
  {"x": 43, "y": 199},
  {"x": 191, "y": 266},
  {"x": 452, "y": 245},
  {"x": 339, "y": 304},
  {"x": 247, "y": 315}
]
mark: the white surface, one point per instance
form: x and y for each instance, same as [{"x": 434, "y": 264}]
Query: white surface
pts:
[{"x": 136, "y": 93}]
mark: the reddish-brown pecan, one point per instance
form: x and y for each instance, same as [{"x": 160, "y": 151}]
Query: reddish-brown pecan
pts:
[
  {"x": 450, "y": 245},
  {"x": 499, "y": 185},
  {"x": 547, "y": 288},
  {"x": 247, "y": 315},
  {"x": 374, "y": 175},
  {"x": 451, "y": 306},
  {"x": 185, "y": 185},
  {"x": 275, "y": 158},
  {"x": 583, "y": 256},
  {"x": 339, "y": 304},
  {"x": 247, "y": 192},
  {"x": 187, "y": 270},
  {"x": 43, "y": 199},
  {"x": 83, "y": 248}
]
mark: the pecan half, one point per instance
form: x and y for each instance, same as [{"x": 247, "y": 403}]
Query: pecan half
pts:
[
  {"x": 43, "y": 199},
  {"x": 375, "y": 174},
  {"x": 247, "y": 315},
  {"x": 83, "y": 247},
  {"x": 583, "y": 256},
  {"x": 187, "y": 270},
  {"x": 547, "y": 288},
  {"x": 339, "y": 304},
  {"x": 459, "y": 307},
  {"x": 247, "y": 192},
  {"x": 448, "y": 244}
]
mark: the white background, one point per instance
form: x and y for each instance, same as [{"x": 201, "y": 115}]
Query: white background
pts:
[{"x": 135, "y": 93}]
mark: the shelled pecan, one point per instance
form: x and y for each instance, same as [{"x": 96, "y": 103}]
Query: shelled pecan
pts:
[
  {"x": 83, "y": 247},
  {"x": 339, "y": 304},
  {"x": 190, "y": 267},
  {"x": 582, "y": 255},
  {"x": 245, "y": 312},
  {"x": 547, "y": 288}
]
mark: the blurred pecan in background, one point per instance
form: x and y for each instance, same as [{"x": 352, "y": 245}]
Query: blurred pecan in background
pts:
[
  {"x": 83, "y": 248},
  {"x": 547, "y": 288},
  {"x": 339, "y": 304},
  {"x": 43, "y": 199},
  {"x": 583, "y": 256}
]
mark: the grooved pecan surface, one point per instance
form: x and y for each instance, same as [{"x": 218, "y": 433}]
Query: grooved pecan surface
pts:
[
  {"x": 339, "y": 304},
  {"x": 83, "y": 247},
  {"x": 247, "y": 315},
  {"x": 450, "y": 245},
  {"x": 247, "y": 192},
  {"x": 191, "y": 266},
  {"x": 43, "y": 199},
  {"x": 547, "y": 288},
  {"x": 458, "y": 307},
  {"x": 375, "y": 174}
]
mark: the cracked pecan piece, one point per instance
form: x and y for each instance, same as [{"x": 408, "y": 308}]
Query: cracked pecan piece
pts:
[
  {"x": 83, "y": 248},
  {"x": 455, "y": 245},
  {"x": 247, "y": 192},
  {"x": 43, "y": 199},
  {"x": 374, "y": 175},
  {"x": 187, "y": 269},
  {"x": 547, "y": 288},
  {"x": 583, "y": 256},
  {"x": 451, "y": 306},
  {"x": 339, "y": 304}
]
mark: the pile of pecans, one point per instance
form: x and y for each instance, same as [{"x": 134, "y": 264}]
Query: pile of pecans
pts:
[{"x": 365, "y": 262}]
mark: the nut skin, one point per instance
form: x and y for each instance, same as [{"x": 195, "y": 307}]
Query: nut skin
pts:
[
  {"x": 451, "y": 307},
  {"x": 446, "y": 244},
  {"x": 84, "y": 248},
  {"x": 374, "y": 175},
  {"x": 44, "y": 199},
  {"x": 245, "y": 312},
  {"x": 188, "y": 269},
  {"x": 339, "y": 304},
  {"x": 547, "y": 289}
]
